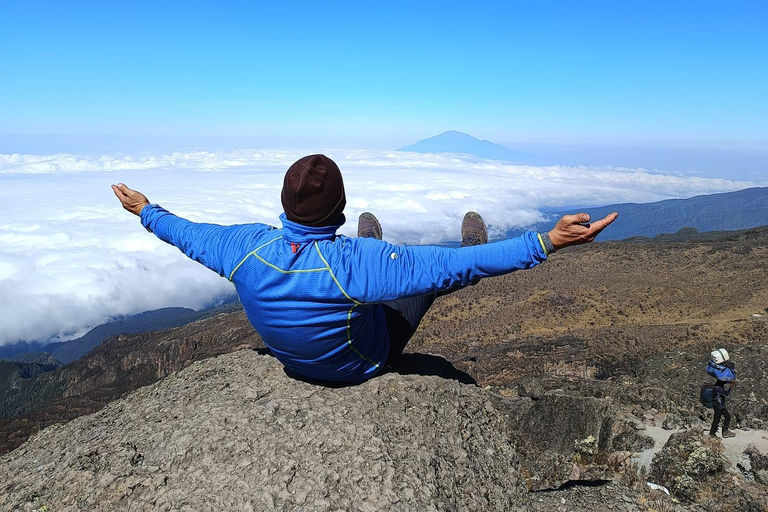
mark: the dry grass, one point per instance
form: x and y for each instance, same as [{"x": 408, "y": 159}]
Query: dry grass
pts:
[{"x": 596, "y": 309}]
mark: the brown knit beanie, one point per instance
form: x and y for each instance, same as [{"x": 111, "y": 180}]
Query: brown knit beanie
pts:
[{"x": 313, "y": 191}]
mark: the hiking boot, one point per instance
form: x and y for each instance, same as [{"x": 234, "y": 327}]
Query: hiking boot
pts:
[
  {"x": 473, "y": 230},
  {"x": 713, "y": 436},
  {"x": 728, "y": 433},
  {"x": 368, "y": 226}
]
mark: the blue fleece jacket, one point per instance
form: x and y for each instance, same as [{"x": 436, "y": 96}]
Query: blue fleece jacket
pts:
[{"x": 315, "y": 296}]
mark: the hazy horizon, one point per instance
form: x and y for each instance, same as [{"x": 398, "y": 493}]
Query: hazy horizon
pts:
[
  {"x": 740, "y": 161},
  {"x": 71, "y": 257},
  {"x": 684, "y": 73}
]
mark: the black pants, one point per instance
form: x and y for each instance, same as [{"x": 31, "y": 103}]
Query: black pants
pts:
[
  {"x": 716, "y": 420},
  {"x": 403, "y": 317}
]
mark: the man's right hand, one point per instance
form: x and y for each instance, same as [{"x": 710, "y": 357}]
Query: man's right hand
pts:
[
  {"x": 132, "y": 200},
  {"x": 576, "y": 229}
]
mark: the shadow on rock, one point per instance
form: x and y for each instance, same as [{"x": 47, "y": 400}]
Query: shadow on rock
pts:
[
  {"x": 407, "y": 364},
  {"x": 428, "y": 364}
]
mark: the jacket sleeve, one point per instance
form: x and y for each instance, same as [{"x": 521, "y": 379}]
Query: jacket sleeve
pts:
[
  {"x": 375, "y": 271},
  {"x": 220, "y": 248}
]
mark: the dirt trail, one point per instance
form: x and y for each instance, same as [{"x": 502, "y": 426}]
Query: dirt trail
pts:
[
  {"x": 734, "y": 446},
  {"x": 660, "y": 438}
]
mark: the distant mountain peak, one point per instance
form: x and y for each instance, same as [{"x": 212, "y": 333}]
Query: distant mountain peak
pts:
[
  {"x": 455, "y": 133},
  {"x": 454, "y": 141}
]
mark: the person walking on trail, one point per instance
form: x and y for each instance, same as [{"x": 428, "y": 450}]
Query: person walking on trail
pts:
[
  {"x": 722, "y": 368},
  {"x": 337, "y": 308}
]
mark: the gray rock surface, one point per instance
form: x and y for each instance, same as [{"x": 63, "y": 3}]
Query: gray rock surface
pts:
[
  {"x": 236, "y": 433},
  {"x": 565, "y": 439},
  {"x": 692, "y": 466},
  {"x": 756, "y": 464}
]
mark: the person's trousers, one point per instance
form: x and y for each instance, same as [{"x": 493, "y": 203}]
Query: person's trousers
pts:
[
  {"x": 716, "y": 421},
  {"x": 403, "y": 317}
]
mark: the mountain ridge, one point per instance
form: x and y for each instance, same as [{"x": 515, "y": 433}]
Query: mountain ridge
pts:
[
  {"x": 146, "y": 321},
  {"x": 723, "y": 211}
]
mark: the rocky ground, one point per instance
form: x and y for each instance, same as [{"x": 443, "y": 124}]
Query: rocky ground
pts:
[
  {"x": 605, "y": 309},
  {"x": 120, "y": 365},
  {"x": 236, "y": 432}
]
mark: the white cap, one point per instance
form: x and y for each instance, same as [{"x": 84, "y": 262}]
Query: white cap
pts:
[{"x": 720, "y": 355}]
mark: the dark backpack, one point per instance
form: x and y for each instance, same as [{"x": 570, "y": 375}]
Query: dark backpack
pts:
[
  {"x": 707, "y": 396},
  {"x": 721, "y": 372}
]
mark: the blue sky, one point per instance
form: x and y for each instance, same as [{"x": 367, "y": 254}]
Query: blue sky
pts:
[{"x": 384, "y": 74}]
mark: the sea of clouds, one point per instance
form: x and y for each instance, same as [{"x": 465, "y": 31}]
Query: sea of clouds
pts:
[{"x": 72, "y": 258}]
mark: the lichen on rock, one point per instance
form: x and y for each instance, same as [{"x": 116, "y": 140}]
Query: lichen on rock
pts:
[{"x": 692, "y": 466}]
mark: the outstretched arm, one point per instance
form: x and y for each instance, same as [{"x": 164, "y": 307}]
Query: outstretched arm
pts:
[
  {"x": 386, "y": 272},
  {"x": 217, "y": 247}
]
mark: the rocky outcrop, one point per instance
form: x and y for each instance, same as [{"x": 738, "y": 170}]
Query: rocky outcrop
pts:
[
  {"x": 117, "y": 366},
  {"x": 235, "y": 432},
  {"x": 692, "y": 466},
  {"x": 238, "y": 432},
  {"x": 754, "y": 465},
  {"x": 563, "y": 439}
]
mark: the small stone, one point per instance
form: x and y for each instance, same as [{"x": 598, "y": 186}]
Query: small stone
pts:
[{"x": 367, "y": 506}]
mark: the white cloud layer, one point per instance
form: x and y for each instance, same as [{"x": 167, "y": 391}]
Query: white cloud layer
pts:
[{"x": 71, "y": 258}]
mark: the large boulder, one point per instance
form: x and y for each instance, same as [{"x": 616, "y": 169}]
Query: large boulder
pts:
[
  {"x": 236, "y": 433},
  {"x": 754, "y": 464},
  {"x": 563, "y": 438}
]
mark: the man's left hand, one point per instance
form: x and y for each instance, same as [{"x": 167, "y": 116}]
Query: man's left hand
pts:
[
  {"x": 576, "y": 229},
  {"x": 132, "y": 200}
]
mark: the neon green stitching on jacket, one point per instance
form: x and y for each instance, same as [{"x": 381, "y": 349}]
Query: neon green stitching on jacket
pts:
[
  {"x": 327, "y": 266},
  {"x": 253, "y": 253},
  {"x": 349, "y": 313},
  {"x": 541, "y": 241},
  {"x": 304, "y": 271},
  {"x": 349, "y": 336}
]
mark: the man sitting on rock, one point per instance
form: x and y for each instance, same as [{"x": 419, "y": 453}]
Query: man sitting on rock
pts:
[{"x": 335, "y": 308}]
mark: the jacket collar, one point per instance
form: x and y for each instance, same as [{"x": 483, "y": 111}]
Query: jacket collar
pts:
[{"x": 295, "y": 232}]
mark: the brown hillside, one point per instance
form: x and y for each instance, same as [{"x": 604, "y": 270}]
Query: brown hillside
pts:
[{"x": 598, "y": 309}]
